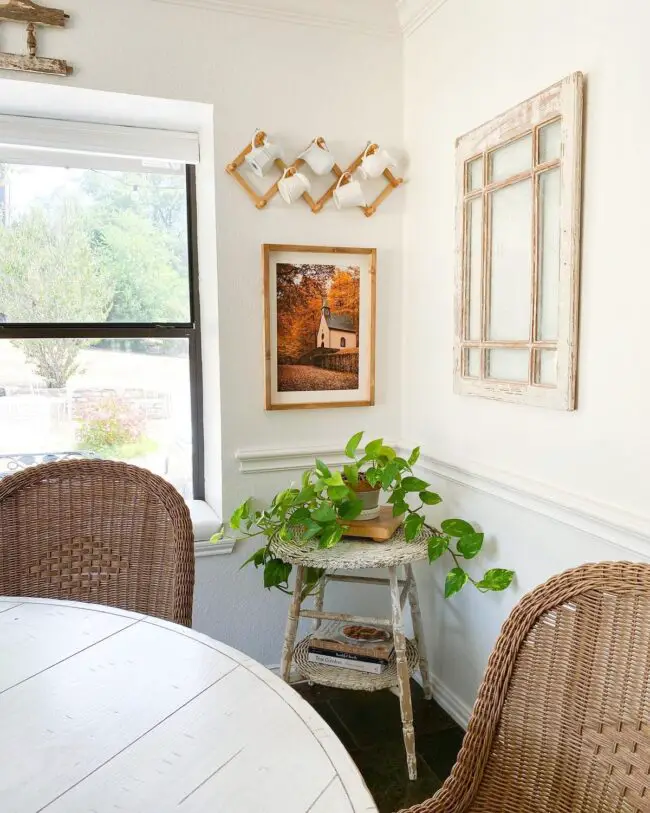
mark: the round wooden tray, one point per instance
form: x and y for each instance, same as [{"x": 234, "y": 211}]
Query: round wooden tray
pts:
[{"x": 342, "y": 678}]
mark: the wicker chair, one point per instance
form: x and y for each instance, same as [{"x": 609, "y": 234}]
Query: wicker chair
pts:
[
  {"x": 100, "y": 532},
  {"x": 562, "y": 720}
]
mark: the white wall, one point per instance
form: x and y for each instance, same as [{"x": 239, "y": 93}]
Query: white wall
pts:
[
  {"x": 470, "y": 61},
  {"x": 297, "y": 82},
  {"x": 549, "y": 488}
]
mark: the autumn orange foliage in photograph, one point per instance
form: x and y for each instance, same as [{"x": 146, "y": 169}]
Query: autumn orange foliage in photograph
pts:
[{"x": 317, "y": 321}]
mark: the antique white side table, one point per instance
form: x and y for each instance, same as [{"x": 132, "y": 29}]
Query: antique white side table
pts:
[{"x": 409, "y": 655}]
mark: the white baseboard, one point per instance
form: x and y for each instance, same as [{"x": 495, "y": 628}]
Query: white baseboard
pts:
[{"x": 456, "y": 708}]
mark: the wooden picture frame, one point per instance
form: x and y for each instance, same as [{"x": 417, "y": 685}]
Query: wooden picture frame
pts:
[
  {"x": 519, "y": 193},
  {"x": 319, "y": 357}
]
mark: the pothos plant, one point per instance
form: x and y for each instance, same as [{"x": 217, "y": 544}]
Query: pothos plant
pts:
[{"x": 326, "y": 500}]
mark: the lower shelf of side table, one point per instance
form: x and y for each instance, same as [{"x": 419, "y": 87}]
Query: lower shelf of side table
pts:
[{"x": 342, "y": 678}]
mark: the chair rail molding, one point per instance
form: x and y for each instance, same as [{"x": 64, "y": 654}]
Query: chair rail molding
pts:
[
  {"x": 606, "y": 521},
  {"x": 609, "y": 522},
  {"x": 414, "y": 13},
  {"x": 370, "y": 17},
  {"x": 264, "y": 461}
]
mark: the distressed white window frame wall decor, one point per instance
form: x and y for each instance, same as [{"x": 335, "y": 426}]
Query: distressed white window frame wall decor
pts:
[{"x": 519, "y": 202}]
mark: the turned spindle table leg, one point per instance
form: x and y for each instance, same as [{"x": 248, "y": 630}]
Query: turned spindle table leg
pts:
[
  {"x": 403, "y": 674},
  {"x": 292, "y": 626},
  {"x": 416, "y": 615},
  {"x": 319, "y": 602}
]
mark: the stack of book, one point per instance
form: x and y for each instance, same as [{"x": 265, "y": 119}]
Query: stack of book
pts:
[{"x": 352, "y": 646}]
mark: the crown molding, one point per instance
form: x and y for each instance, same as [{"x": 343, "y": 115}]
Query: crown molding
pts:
[
  {"x": 414, "y": 13},
  {"x": 384, "y": 26}
]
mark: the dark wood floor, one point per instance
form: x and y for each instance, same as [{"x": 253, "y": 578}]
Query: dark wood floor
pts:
[{"x": 369, "y": 726}]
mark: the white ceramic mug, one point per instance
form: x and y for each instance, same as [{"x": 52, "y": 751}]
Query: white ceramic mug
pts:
[
  {"x": 262, "y": 155},
  {"x": 318, "y": 157},
  {"x": 348, "y": 193},
  {"x": 375, "y": 162},
  {"x": 293, "y": 185}
]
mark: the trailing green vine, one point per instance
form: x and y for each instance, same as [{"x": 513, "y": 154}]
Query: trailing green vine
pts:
[{"x": 326, "y": 500}]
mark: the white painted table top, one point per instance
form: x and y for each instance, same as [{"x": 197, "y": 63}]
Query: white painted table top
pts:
[{"x": 103, "y": 710}]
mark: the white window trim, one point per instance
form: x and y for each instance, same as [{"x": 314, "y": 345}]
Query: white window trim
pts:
[
  {"x": 564, "y": 99},
  {"x": 37, "y": 139},
  {"x": 206, "y": 523}
]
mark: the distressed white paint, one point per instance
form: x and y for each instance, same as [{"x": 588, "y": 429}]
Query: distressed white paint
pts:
[
  {"x": 403, "y": 674},
  {"x": 550, "y": 489},
  {"x": 34, "y": 637},
  {"x": 563, "y": 100},
  {"x": 154, "y": 716}
]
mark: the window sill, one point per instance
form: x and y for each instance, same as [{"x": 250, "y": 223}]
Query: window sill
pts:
[{"x": 206, "y": 523}]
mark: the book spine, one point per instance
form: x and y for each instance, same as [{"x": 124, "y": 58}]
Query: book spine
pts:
[
  {"x": 380, "y": 653},
  {"x": 357, "y": 666},
  {"x": 349, "y": 656}
]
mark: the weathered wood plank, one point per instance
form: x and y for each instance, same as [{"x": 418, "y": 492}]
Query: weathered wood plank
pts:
[
  {"x": 404, "y": 675},
  {"x": 68, "y": 721},
  {"x": 158, "y": 716},
  {"x": 291, "y": 630},
  {"x": 354, "y": 619},
  {"x": 563, "y": 103},
  {"x": 235, "y": 747},
  {"x": 36, "y": 637},
  {"x": 332, "y": 798},
  {"x": 319, "y": 602},
  {"x": 24, "y": 11},
  {"x": 34, "y": 64},
  {"x": 418, "y": 629},
  {"x": 335, "y": 577}
]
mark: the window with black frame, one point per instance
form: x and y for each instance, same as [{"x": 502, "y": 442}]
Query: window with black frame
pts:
[{"x": 99, "y": 314}]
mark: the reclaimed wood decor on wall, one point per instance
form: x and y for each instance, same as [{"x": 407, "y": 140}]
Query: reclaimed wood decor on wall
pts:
[
  {"x": 519, "y": 197},
  {"x": 24, "y": 11}
]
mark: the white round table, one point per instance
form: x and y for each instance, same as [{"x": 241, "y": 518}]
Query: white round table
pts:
[{"x": 103, "y": 710}]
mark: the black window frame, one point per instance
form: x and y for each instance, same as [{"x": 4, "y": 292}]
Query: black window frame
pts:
[{"x": 125, "y": 330}]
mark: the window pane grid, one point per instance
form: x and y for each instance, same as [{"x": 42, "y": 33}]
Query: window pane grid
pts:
[
  {"x": 530, "y": 251},
  {"x": 535, "y": 260},
  {"x": 122, "y": 388},
  {"x": 473, "y": 193},
  {"x": 538, "y": 166},
  {"x": 475, "y": 355}
]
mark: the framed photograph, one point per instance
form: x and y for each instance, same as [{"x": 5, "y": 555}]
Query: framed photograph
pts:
[{"x": 319, "y": 326}]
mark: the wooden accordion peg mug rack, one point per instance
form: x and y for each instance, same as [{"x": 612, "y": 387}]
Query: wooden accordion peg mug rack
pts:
[{"x": 261, "y": 155}]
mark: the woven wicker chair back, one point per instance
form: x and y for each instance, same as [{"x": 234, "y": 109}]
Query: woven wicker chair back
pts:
[
  {"x": 562, "y": 721},
  {"x": 99, "y": 532}
]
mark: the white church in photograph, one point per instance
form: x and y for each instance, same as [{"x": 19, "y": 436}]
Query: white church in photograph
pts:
[{"x": 336, "y": 332}]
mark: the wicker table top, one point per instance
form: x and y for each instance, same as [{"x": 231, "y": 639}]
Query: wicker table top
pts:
[
  {"x": 108, "y": 710},
  {"x": 354, "y": 555}
]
